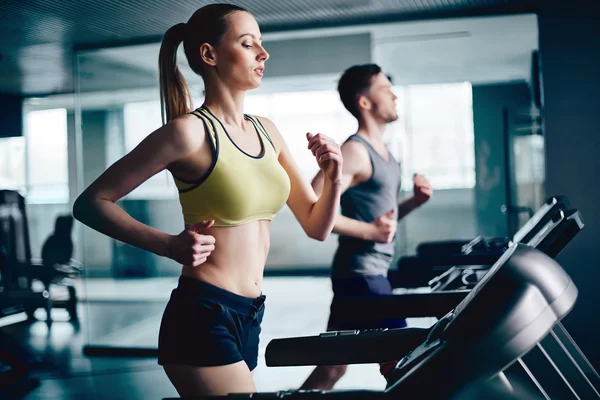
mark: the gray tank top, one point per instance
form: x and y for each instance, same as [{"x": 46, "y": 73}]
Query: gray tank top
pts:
[{"x": 365, "y": 202}]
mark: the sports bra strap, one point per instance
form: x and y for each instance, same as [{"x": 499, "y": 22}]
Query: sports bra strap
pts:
[
  {"x": 260, "y": 128},
  {"x": 209, "y": 127}
]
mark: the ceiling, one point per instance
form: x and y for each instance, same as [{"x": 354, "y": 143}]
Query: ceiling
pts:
[
  {"x": 479, "y": 50},
  {"x": 38, "y": 37}
]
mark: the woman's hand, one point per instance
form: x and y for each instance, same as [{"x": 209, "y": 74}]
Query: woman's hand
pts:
[
  {"x": 328, "y": 155},
  {"x": 191, "y": 247}
]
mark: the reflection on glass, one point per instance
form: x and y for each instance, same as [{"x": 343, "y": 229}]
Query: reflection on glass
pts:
[
  {"x": 140, "y": 119},
  {"x": 12, "y": 167},
  {"x": 47, "y": 159},
  {"x": 529, "y": 172}
]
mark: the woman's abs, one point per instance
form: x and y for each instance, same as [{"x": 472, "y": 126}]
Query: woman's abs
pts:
[{"x": 237, "y": 262}]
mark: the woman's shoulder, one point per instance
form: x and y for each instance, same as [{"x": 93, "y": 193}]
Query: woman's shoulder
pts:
[
  {"x": 187, "y": 132},
  {"x": 271, "y": 130},
  {"x": 263, "y": 120}
]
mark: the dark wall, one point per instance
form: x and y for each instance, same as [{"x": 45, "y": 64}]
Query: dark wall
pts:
[
  {"x": 11, "y": 116},
  {"x": 570, "y": 58}
]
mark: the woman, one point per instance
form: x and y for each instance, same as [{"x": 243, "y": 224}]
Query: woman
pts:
[{"x": 233, "y": 172}]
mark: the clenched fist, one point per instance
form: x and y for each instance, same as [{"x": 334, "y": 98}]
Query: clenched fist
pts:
[
  {"x": 384, "y": 228},
  {"x": 422, "y": 189},
  {"x": 328, "y": 155},
  {"x": 192, "y": 247}
]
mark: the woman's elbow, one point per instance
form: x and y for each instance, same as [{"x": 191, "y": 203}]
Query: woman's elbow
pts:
[
  {"x": 82, "y": 208},
  {"x": 78, "y": 209},
  {"x": 320, "y": 235}
]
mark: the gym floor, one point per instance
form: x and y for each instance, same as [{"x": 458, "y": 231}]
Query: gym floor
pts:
[{"x": 127, "y": 313}]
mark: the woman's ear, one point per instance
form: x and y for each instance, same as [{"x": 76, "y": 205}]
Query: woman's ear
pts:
[{"x": 208, "y": 55}]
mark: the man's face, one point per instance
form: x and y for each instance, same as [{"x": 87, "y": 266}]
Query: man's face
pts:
[{"x": 382, "y": 99}]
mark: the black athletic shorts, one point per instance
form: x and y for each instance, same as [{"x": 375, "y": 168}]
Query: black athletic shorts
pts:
[{"x": 204, "y": 325}]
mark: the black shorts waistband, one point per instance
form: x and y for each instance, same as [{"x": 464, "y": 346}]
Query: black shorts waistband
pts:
[{"x": 241, "y": 304}]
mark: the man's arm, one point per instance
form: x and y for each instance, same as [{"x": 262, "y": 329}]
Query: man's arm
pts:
[
  {"x": 423, "y": 191},
  {"x": 357, "y": 168}
]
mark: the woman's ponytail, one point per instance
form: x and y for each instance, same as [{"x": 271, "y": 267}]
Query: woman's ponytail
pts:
[{"x": 175, "y": 96}]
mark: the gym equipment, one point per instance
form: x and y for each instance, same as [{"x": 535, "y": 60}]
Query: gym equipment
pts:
[
  {"x": 16, "y": 361},
  {"x": 18, "y": 270},
  {"x": 436, "y": 258},
  {"x": 475, "y": 348},
  {"x": 483, "y": 244},
  {"x": 550, "y": 239},
  {"x": 558, "y": 228}
]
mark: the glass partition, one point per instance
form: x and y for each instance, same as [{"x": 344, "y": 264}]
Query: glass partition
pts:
[{"x": 125, "y": 289}]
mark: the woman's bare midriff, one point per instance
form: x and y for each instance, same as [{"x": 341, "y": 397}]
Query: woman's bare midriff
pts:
[{"x": 238, "y": 260}]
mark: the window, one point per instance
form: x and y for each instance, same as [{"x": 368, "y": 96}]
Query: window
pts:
[
  {"x": 296, "y": 113},
  {"x": 12, "y": 167},
  {"x": 47, "y": 158},
  {"x": 433, "y": 135},
  {"x": 437, "y": 137},
  {"x": 141, "y": 119}
]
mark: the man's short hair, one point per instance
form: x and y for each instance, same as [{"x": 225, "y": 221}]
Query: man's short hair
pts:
[{"x": 355, "y": 81}]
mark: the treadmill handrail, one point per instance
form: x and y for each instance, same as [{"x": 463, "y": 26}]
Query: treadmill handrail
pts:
[
  {"x": 552, "y": 203},
  {"x": 344, "y": 347},
  {"x": 406, "y": 305}
]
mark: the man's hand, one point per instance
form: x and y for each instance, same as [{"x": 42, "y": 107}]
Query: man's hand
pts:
[
  {"x": 422, "y": 189},
  {"x": 383, "y": 228}
]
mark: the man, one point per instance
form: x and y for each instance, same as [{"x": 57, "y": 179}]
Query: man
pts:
[{"x": 370, "y": 205}]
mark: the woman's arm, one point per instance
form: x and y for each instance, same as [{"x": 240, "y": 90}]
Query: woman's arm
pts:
[
  {"x": 96, "y": 207},
  {"x": 315, "y": 214}
]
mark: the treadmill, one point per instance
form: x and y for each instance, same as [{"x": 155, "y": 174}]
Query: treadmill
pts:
[
  {"x": 483, "y": 244},
  {"x": 438, "y": 258},
  {"x": 472, "y": 351},
  {"x": 550, "y": 238}
]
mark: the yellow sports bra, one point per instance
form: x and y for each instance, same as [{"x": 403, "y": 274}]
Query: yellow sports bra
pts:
[{"x": 238, "y": 187}]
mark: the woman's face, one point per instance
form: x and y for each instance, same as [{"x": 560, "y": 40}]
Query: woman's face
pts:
[{"x": 239, "y": 56}]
